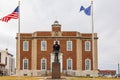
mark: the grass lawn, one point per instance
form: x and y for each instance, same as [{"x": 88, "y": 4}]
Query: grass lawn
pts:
[
  {"x": 78, "y": 78},
  {"x": 43, "y": 78},
  {"x": 21, "y": 78}
]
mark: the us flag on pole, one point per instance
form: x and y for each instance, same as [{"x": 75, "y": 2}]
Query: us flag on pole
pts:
[{"x": 13, "y": 15}]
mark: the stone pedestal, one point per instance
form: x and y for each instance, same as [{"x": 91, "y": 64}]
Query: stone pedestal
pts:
[{"x": 55, "y": 70}]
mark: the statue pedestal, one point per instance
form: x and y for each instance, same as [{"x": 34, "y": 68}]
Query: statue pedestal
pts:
[{"x": 55, "y": 70}]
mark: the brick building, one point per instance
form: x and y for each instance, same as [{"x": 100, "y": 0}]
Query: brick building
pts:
[
  {"x": 107, "y": 73},
  {"x": 75, "y": 55}
]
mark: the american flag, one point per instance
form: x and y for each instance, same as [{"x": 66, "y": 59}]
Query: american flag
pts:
[{"x": 13, "y": 15}]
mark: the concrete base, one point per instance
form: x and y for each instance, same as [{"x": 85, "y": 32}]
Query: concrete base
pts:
[
  {"x": 47, "y": 72},
  {"x": 55, "y": 70}
]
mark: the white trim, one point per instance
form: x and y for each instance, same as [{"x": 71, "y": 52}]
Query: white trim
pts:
[
  {"x": 45, "y": 63},
  {"x": 87, "y": 42},
  {"x": 23, "y": 64},
  {"x": 89, "y": 64},
  {"x": 44, "y": 49},
  {"x": 71, "y": 64},
  {"x": 70, "y": 46},
  {"x": 24, "y": 48}
]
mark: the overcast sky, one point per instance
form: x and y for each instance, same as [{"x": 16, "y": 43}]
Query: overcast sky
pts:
[{"x": 39, "y": 15}]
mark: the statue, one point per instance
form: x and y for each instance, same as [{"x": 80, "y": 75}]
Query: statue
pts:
[{"x": 56, "y": 48}]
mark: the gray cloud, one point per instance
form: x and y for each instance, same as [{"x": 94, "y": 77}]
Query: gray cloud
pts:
[{"x": 38, "y": 15}]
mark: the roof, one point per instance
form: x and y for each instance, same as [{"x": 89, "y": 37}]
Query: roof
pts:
[
  {"x": 10, "y": 54},
  {"x": 107, "y": 72},
  {"x": 6, "y": 52}
]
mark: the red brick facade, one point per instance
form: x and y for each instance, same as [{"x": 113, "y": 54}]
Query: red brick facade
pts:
[{"x": 50, "y": 37}]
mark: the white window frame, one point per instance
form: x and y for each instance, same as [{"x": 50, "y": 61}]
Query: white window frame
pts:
[
  {"x": 25, "y": 43},
  {"x": 71, "y": 64},
  {"x": 69, "y": 42},
  {"x": 86, "y": 46},
  {"x": 23, "y": 64},
  {"x": 42, "y": 47},
  {"x": 86, "y": 64},
  {"x": 45, "y": 64}
]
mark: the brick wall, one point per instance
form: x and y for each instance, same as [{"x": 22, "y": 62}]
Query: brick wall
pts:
[{"x": 50, "y": 40}]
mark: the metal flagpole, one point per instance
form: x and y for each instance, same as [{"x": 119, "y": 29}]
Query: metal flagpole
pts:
[
  {"x": 118, "y": 69},
  {"x": 18, "y": 40},
  {"x": 93, "y": 39}
]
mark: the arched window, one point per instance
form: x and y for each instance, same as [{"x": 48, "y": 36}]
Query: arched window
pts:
[
  {"x": 43, "y": 64},
  {"x": 87, "y": 46},
  {"x": 25, "y": 64},
  {"x": 25, "y": 45},
  {"x": 69, "y": 45},
  {"x": 69, "y": 64},
  {"x": 87, "y": 64},
  {"x": 43, "y": 45}
]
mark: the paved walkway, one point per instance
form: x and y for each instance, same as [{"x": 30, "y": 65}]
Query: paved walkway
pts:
[{"x": 49, "y": 78}]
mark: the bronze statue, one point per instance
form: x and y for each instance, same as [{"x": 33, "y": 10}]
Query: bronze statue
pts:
[{"x": 56, "y": 48}]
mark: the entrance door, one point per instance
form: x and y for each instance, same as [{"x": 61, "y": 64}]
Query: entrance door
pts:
[{"x": 60, "y": 57}]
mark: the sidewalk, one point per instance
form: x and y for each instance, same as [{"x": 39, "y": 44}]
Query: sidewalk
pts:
[{"x": 50, "y": 78}]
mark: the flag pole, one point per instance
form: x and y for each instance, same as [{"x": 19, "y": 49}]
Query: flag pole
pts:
[
  {"x": 93, "y": 39},
  {"x": 19, "y": 40},
  {"x": 118, "y": 70}
]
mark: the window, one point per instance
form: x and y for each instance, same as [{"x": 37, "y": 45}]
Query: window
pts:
[
  {"x": 69, "y": 64},
  {"x": 25, "y": 46},
  {"x": 43, "y": 45},
  {"x": 43, "y": 64},
  {"x": 87, "y": 64},
  {"x": 25, "y": 63},
  {"x": 69, "y": 45},
  {"x": 87, "y": 46}
]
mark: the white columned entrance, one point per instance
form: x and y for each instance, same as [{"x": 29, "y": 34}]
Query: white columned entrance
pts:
[{"x": 60, "y": 57}]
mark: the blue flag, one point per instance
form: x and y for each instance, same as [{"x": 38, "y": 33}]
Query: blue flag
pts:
[
  {"x": 82, "y": 8},
  {"x": 87, "y": 10}
]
